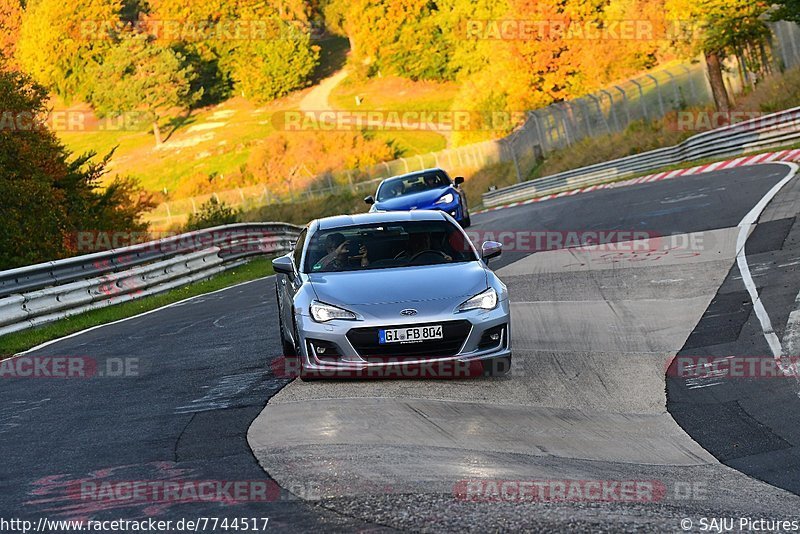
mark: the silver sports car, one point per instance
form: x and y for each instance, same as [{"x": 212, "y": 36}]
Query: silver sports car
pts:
[{"x": 392, "y": 294}]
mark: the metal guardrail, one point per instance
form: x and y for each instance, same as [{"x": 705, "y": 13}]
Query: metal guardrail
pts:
[
  {"x": 765, "y": 132},
  {"x": 41, "y": 293}
]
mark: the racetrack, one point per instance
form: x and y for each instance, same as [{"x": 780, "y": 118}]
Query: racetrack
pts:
[{"x": 593, "y": 333}]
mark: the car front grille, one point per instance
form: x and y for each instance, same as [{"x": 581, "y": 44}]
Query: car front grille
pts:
[{"x": 454, "y": 333}]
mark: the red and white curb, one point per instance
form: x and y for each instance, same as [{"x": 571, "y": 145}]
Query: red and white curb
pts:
[{"x": 768, "y": 157}]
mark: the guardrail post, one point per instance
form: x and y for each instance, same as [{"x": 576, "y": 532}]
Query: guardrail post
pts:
[{"x": 405, "y": 164}]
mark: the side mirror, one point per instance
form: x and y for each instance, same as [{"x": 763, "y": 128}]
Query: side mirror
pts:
[
  {"x": 283, "y": 265},
  {"x": 491, "y": 249},
  {"x": 369, "y": 200},
  {"x": 459, "y": 180}
]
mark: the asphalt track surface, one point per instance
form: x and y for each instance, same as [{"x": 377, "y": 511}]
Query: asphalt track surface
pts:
[{"x": 586, "y": 398}]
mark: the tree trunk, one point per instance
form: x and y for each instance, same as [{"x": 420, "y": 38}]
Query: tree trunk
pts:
[
  {"x": 714, "y": 65},
  {"x": 157, "y": 133}
]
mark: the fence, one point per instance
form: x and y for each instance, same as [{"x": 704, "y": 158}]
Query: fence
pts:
[
  {"x": 38, "y": 294},
  {"x": 545, "y": 130},
  {"x": 554, "y": 127},
  {"x": 770, "y": 131}
]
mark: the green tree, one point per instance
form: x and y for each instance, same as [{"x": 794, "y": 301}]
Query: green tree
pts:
[
  {"x": 265, "y": 69},
  {"x": 725, "y": 27},
  {"x": 48, "y": 196},
  {"x": 60, "y": 42},
  {"x": 223, "y": 64},
  {"x": 402, "y": 37},
  {"x": 787, "y": 10},
  {"x": 142, "y": 75},
  {"x": 212, "y": 213}
]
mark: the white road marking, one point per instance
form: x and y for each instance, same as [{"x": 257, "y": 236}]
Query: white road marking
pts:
[
  {"x": 741, "y": 260},
  {"x": 791, "y": 336},
  {"x": 179, "y": 303}
]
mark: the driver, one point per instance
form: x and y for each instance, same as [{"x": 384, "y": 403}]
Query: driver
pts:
[
  {"x": 432, "y": 180},
  {"x": 419, "y": 243}
]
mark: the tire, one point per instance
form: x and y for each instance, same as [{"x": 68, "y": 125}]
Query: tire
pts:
[
  {"x": 288, "y": 348},
  {"x": 466, "y": 222},
  {"x": 303, "y": 374},
  {"x": 497, "y": 366}
]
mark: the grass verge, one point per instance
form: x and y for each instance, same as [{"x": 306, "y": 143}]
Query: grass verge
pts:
[{"x": 18, "y": 341}]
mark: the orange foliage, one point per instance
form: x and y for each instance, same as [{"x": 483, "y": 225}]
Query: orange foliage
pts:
[{"x": 291, "y": 161}]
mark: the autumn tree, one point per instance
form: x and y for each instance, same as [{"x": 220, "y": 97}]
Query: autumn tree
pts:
[
  {"x": 719, "y": 28},
  {"x": 265, "y": 69},
  {"x": 260, "y": 49},
  {"x": 142, "y": 75},
  {"x": 289, "y": 161},
  {"x": 10, "y": 20},
  {"x": 47, "y": 194},
  {"x": 402, "y": 37},
  {"x": 60, "y": 43}
]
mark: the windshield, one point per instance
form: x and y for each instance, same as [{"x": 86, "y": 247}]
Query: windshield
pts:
[
  {"x": 380, "y": 246},
  {"x": 406, "y": 185}
]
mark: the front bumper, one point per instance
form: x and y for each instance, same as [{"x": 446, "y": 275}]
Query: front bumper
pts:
[
  {"x": 341, "y": 359},
  {"x": 454, "y": 209}
]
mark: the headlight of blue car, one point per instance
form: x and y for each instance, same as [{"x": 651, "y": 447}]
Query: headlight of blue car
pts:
[{"x": 446, "y": 199}]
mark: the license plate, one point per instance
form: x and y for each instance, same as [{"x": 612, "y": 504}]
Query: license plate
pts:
[{"x": 412, "y": 334}]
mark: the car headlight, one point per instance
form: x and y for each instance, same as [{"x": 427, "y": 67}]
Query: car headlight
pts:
[
  {"x": 325, "y": 312},
  {"x": 486, "y": 300},
  {"x": 446, "y": 199}
]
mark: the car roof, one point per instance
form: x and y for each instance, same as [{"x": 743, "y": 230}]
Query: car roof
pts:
[
  {"x": 339, "y": 221},
  {"x": 417, "y": 173}
]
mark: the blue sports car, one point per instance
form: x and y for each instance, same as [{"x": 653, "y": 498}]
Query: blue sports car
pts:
[{"x": 431, "y": 189}]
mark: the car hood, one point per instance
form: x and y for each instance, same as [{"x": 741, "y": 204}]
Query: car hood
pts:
[
  {"x": 448, "y": 284},
  {"x": 416, "y": 200}
]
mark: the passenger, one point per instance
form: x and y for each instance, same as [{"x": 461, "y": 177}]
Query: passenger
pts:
[{"x": 339, "y": 256}]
